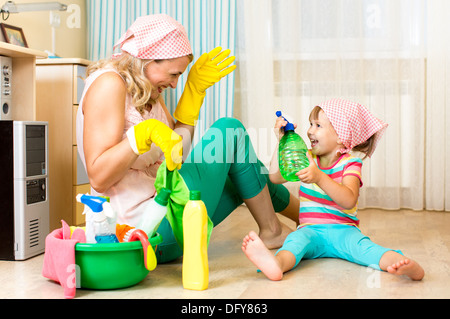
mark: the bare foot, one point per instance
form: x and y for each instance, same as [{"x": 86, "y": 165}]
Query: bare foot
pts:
[
  {"x": 255, "y": 250},
  {"x": 273, "y": 241},
  {"x": 407, "y": 267}
]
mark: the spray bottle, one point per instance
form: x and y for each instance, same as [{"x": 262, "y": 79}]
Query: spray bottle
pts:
[
  {"x": 98, "y": 211},
  {"x": 195, "y": 270},
  {"x": 154, "y": 213},
  {"x": 291, "y": 152}
]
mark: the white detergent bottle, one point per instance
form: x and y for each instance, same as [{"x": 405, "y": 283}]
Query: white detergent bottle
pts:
[
  {"x": 154, "y": 213},
  {"x": 103, "y": 234},
  {"x": 110, "y": 214},
  {"x": 89, "y": 218}
]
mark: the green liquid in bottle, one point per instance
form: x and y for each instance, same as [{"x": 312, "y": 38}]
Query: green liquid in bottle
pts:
[{"x": 292, "y": 154}]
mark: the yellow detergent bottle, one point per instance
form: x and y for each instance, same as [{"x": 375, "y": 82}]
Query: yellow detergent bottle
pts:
[{"x": 195, "y": 255}]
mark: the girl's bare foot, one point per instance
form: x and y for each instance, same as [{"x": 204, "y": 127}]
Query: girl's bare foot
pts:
[
  {"x": 407, "y": 267},
  {"x": 255, "y": 250}
]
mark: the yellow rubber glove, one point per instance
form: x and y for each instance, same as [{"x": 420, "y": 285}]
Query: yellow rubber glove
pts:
[
  {"x": 142, "y": 135},
  {"x": 208, "y": 70}
]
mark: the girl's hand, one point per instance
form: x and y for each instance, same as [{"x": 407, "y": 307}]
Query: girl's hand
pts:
[
  {"x": 311, "y": 174},
  {"x": 279, "y": 125}
]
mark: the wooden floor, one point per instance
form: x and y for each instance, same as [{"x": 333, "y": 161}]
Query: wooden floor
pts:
[{"x": 423, "y": 236}]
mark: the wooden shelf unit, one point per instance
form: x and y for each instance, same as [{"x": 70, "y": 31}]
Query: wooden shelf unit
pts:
[
  {"x": 23, "y": 85},
  {"x": 60, "y": 83}
]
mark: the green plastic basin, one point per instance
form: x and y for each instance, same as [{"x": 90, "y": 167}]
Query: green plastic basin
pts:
[{"x": 112, "y": 266}]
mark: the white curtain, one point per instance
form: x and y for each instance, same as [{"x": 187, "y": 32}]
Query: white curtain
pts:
[
  {"x": 391, "y": 55},
  {"x": 438, "y": 106},
  {"x": 293, "y": 54},
  {"x": 208, "y": 23}
]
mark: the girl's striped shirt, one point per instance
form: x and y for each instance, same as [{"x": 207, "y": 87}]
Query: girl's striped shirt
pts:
[{"x": 316, "y": 207}]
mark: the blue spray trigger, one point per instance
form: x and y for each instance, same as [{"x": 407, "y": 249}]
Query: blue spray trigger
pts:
[
  {"x": 289, "y": 126},
  {"x": 95, "y": 203}
]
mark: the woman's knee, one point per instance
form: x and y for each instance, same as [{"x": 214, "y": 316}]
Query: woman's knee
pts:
[{"x": 228, "y": 122}]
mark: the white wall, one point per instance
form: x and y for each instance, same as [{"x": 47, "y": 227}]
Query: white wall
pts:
[{"x": 70, "y": 37}]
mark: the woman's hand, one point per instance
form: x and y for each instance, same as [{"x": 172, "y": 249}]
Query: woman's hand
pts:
[
  {"x": 209, "y": 69},
  {"x": 142, "y": 135}
]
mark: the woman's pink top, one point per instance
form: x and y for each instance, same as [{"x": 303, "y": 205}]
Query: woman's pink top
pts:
[{"x": 130, "y": 195}]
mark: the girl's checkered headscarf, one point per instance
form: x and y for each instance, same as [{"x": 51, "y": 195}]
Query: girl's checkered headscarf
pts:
[{"x": 353, "y": 122}]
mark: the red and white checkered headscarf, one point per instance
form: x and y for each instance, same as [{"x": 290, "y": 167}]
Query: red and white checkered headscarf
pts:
[
  {"x": 155, "y": 37},
  {"x": 353, "y": 123}
]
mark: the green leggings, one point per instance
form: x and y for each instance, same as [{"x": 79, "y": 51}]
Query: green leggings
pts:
[{"x": 224, "y": 167}]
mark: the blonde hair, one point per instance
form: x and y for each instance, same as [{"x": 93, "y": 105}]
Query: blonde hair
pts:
[
  {"x": 132, "y": 71},
  {"x": 365, "y": 147}
]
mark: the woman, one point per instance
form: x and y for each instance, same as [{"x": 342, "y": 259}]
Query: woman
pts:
[{"x": 124, "y": 133}]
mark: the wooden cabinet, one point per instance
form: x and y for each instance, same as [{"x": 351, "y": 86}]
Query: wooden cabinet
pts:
[
  {"x": 23, "y": 88},
  {"x": 59, "y": 85}
]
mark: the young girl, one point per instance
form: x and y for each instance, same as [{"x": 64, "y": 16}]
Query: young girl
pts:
[{"x": 328, "y": 197}]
